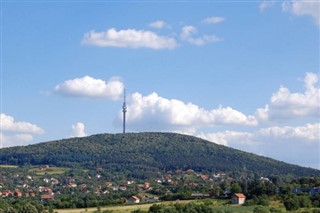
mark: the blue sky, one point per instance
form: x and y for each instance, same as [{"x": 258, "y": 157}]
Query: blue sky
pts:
[{"x": 243, "y": 74}]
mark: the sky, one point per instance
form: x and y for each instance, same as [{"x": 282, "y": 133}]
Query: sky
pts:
[{"x": 243, "y": 74}]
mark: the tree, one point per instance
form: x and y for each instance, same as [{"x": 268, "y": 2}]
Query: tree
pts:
[
  {"x": 28, "y": 208},
  {"x": 235, "y": 188},
  {"x": 261, "y": 209},
  {"x": 291, "y": 204},
  {"x": 304, "y": 201}
]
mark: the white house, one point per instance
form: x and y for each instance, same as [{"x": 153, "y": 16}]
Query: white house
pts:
[
  {"x": 133, "y": 199},
  {"x": 238, "y": 198}
]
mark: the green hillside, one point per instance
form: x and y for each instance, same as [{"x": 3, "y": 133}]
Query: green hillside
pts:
[{"x": 141, "y": 153}]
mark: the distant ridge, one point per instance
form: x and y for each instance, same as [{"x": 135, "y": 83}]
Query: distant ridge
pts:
[{"x": 138, "y": 153}]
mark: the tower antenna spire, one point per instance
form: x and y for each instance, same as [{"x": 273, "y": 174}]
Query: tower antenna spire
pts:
[{"x": 124, "y": 110}]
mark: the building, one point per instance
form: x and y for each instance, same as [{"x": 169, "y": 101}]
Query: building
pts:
[
  {"x": 238, "y": 198},
  {"x": 46, "y": 197},
  {"x": 17, "y": 193},
  {"x": 133, "y": 199}
]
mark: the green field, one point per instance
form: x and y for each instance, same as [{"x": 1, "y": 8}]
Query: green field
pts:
[
  {"x": 49, "y": 171},
  {"x": 122, "y": 208},
  {"x": 8, "y": 166},
  {"x": 220, "y": 205}
]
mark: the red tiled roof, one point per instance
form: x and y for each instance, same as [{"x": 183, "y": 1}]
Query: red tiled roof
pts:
[
  {"x": 240, "y": 195},
  {"x": 134, "y": 198},
  {"x": 46, "y": 196}
]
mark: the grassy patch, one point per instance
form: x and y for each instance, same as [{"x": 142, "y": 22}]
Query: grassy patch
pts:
[
  {"x": 8, "y": 166},
  {"x": 49, "y": 171}
]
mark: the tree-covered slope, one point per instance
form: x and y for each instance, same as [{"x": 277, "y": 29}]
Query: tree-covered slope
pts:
[{"x": 148, "y": 152}]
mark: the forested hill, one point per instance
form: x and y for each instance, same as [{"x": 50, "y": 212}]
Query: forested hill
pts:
[{"x": 138, "y": 153}]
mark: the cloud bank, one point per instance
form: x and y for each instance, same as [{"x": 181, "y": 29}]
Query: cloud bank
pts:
[
  {"x": 158, "y": 111},
  {"x": 271, "y": 131},
  {"x": 88, "y": 87},
  {"x": 279, "y": 142}
]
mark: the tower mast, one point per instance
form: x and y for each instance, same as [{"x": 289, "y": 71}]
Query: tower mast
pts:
[{"x": 124, "y": 110}]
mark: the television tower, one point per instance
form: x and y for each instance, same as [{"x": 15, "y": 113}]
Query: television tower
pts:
[{"x": 124, "y": 110}]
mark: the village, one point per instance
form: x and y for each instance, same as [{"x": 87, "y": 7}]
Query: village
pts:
[{"x": 44, "y": 184}]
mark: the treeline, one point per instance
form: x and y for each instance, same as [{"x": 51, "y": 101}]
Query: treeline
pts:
[{"x": 145, "y": 154}]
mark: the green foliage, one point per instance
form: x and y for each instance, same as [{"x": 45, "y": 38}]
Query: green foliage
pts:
[
  {"x": 276, "y": 210},
  {"x": 139, "y": 211},
  {"x": 261, "y": 209},
  {"x": 291, "y": 204},
  {"x": 235, "y": 188},
  {"x": 142, "y": 155}
]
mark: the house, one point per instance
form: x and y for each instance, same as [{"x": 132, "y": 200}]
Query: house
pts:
[
  {"x": 129, "y": 182},
  {"x": 133, "y": 199},
  {"x": 238, "y": 198},
  {"x": 147, "y": 199},
  {"x": 7, "y": 193},
  {"x": 17, "y": 193},
  {"x": 146, "y": 185},
  {"x": 46, "y": 197},
  {"x": 122, "y": 188},
  {"x": 29, "y": 194},
  {"x": 204, "y": 177}
]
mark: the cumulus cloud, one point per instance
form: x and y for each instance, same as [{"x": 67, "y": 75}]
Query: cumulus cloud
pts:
[
  {"x": 15, "y": 139},
  {"x": 15, "y": 133},
  {"x": 129, "y": 38},
  {"x": 279, "y": 142},
  {"x": 213, "y": 20},
  {"x": 303, "y": 8},
  {"x": 9, "y": 124},
  {"x": 155, "y": 111},
  {"x": 89, "y": 87},
  {"x": 78, "y": 130},
  {"x": 188, "y": 32},
  {"x": 308, "y": 132},
  {"x": 224, "y": 138},
  {"x": 285, "y": 105},
  {"x": 158, "y": 24}
]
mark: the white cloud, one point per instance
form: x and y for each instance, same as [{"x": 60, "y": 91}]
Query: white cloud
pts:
[
  {"x": 274, "y": 134},
  {"x": 187, "y": 33},
  {"x": 129, "y": 38},
  {"x": 225, "y": 137},
  {"x": 15, "y": 139},
  {"x": 285, "y": 105},
  {"x": 9, "y": 124},
  {"x": 158, "y": 24},
  {"x": 213, "y": 20},
  {"x": 308, "y": 132},
  {"x": 89, "y": 87},
  {"x": 303, "y": 8},
  {"x": 15, "y": 133},
  {"x": 266, "y": 4},
  {"x": 288, "y": 143},
  {"x": 153, "y": 111},
  {"x": 78, "y": 130}
]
